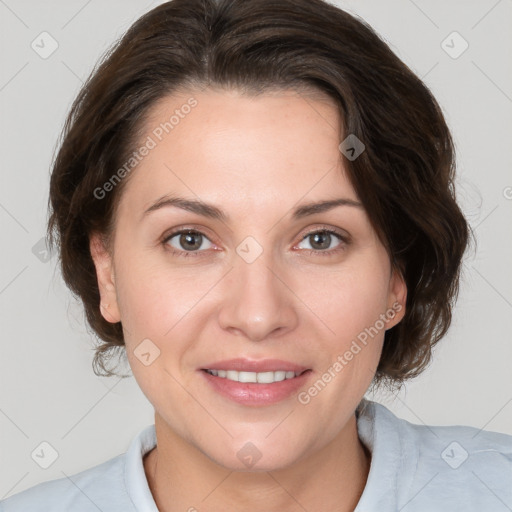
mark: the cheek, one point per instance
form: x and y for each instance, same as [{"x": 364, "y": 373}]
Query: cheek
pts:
[
  {"x": 153, "y": 295},
  {"x": 349, "y": 300}
]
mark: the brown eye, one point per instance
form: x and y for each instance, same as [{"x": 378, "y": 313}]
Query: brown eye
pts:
[
  {"x": 186, "y": 241},
  {"x": 325, "y": 241},
  {"x": 320, "y": 240}
]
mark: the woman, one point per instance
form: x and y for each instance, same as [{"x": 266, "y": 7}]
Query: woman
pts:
[{"x": 255, "y": 200}]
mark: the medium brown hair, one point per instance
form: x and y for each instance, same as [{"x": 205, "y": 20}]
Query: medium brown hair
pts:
[{"x": 404, "y": 177}]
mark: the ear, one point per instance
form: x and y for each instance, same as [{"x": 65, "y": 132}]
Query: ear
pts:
[
  {"x": 106, "y": 280},
  {"x": 397, "y": 299}
]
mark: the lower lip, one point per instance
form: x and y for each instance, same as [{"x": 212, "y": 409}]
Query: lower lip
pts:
[{"x": 251, "y": 393}]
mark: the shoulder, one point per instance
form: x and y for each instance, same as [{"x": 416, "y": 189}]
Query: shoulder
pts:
[
  {"x": 449, "y": 466},
  {"x": 98, "y": 488},
  {"x": 457, "y": 446}
]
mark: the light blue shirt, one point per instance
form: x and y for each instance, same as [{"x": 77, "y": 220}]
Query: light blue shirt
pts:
[{"x": 416, "y": 468}]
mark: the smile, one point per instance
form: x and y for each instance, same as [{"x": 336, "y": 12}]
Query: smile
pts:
[
  {"x": 255, "y": 383},
  {"x": 254, "y": 377}
]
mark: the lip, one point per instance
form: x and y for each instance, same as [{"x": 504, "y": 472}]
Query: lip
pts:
[
  {"x": 248, "y": 365},
  {"x": 254, "y": 394}
]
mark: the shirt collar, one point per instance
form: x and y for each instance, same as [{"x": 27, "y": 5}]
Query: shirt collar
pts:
[
  {"x": 135, "y": 479},
  {"x": 394, "y": 457}
]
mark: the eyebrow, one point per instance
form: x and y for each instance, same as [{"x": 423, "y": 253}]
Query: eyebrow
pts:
[{"x": 213, "y": 212}]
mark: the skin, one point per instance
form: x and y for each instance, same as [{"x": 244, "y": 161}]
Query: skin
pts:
[{"x": 257, "y": 158}]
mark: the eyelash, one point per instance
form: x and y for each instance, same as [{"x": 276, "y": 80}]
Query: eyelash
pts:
[{"x": 345, "y": 240}]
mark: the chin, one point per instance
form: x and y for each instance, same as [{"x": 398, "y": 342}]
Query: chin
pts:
[
  {"x": 257, "y": 454},
  {"x": 275, "y": 462}
]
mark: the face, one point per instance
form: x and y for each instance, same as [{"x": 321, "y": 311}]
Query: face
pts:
[{"x": 253, "y": 286}]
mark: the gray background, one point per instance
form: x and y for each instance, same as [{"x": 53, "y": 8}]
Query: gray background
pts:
[{"x": 48, "y": 390}]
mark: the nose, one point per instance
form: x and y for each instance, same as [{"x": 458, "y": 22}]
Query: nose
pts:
[{"x": 258, "y": 303}]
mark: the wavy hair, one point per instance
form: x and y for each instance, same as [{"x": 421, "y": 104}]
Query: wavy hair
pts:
[{"x": 404, "y": 178}]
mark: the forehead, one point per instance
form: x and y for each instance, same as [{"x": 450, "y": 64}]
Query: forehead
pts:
[{"x": 269, "y": 149}]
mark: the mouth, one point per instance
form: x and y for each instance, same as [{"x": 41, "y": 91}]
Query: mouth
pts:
[
  {"x": 255, "y": 383},
  {"x": 255, "y": 377}
]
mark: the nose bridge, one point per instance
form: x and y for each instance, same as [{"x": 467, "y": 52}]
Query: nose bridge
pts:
[
  {"x": 253, "y": 262},
  {"x": 257, "y": 302},
  {"x": 257, "y": 277}
]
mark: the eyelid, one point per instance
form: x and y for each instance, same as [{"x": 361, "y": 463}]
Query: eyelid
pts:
[
  {"x": 344, "y": 237},
  {"x": 344, "y": 241},
  {"x": 187, "y": 227},
  {"x": 337, "y": 231}
]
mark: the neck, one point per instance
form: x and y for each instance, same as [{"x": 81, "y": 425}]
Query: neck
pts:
[{"x": 182, "y": 478}]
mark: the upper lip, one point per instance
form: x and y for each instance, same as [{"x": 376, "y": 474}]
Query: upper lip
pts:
[{"x": 248, "y": 365}]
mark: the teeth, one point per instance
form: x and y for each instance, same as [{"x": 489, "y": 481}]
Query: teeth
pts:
[
  {"x": 259, "y": 377},
  {"x": 247, "y": 377}
]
